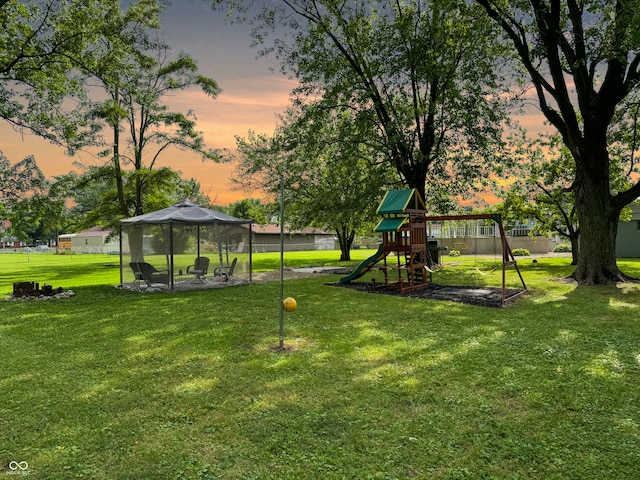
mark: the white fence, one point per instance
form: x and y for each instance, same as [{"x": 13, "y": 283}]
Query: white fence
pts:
[{"x": 439, "y": 230}]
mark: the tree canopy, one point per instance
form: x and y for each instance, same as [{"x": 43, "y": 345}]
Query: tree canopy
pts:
[
  {"x": 418, "y": 77},
  {"x": 72, "y": 70},
  {"x": 135, "y": 69},
  {"x": 541, "y": 191},
  {"x": 331, "y": 180},
  {"x": 24, "y": 198},
  {"x": 37, "y": 42},
  {"x": 582, "y": 59}
]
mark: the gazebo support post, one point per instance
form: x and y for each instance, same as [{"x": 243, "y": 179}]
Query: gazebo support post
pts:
[
  {"x": 219, "y": 245},
  {"x": 198, "y": 235},
  {"x": 171, "y": 254}
]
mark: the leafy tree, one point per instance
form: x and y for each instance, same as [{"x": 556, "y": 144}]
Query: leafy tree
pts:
[
  {"x": 330, "y": 181},
  {"x": 582, "y": 59},
  {"x": 27, "y": 202},
  {"x": 38, "y": 39},
  {"x": 542, "y": 190},
  {"x": 36, "y": 218},
  {"x": 418, "y": 77},
  {"x": 94, "y": 194},
  {"x": 545, "y": 173},
  {"x": 18, "y": 182},
  {"x": 136, "y": 72},
  {"x": 93, "y": 44},
  {"x": 249, "y": 208}
]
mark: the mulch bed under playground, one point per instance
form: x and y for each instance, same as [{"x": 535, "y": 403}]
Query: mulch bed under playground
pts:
[{"x": 481, "y": 296}]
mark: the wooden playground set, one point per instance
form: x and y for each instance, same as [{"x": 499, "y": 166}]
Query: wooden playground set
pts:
[{"x": 407, "y": 257}]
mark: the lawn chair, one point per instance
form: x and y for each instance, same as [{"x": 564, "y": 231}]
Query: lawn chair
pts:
[
  {"x": 199, "y": 268},
  {"x": 147, "y": 273},
  {"x": 225, "y": 271}
]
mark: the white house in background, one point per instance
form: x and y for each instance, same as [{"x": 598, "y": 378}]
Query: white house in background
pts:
[
  {"x": 9, "y": 241},
  {"x": 628, "y": 237},
  {"x": 266, "y": 238},
  {"x": 95, "y": 240}
]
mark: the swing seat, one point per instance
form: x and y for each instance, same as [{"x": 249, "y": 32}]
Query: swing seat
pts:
[{"x": 484, "y": 273}]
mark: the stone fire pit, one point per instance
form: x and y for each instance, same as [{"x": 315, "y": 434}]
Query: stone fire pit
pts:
[{"x": 32, "y": 291}]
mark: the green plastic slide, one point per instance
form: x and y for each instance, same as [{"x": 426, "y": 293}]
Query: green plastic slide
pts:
[{"x": 365, "y": 266}]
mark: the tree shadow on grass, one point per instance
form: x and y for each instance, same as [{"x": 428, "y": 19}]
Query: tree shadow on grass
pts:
[{"x": 126, "y": 386}]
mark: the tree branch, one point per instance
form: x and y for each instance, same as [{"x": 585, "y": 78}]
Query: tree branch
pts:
[{"x": 518, "y": 35}]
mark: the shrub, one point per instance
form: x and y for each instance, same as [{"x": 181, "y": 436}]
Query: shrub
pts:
[
  {"x": 562, "y": 247},
  {"x": 521, "y": 252}
]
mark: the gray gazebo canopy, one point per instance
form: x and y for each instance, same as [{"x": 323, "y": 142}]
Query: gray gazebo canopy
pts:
[
  {"x": 184, "y": 212},
  {"x": 180, "y": 215}
]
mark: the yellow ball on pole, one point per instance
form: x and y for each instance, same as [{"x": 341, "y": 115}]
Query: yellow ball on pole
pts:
[{"x": 289, "y": 304}]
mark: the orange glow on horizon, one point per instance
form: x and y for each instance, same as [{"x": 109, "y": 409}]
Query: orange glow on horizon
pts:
[{"x": 231, "y": 114}]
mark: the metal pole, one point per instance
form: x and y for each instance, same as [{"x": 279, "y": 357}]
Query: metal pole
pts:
[
  {"x": 281, "y": 261},
  {"x": 120, "y": 247},
  {"x": 250, "y": 252}
]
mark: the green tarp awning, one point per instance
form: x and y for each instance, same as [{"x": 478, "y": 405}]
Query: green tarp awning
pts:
[
  {"x": 391, "y": 224},
  {"x": 397, "y": 201}
]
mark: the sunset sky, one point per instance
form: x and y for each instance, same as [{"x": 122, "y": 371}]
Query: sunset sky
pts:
[{"x": 252, "y": 95}]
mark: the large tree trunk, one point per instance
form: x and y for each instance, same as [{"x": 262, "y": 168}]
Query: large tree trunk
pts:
[
  {"x": 419, "y": 184},
  {"x": 598, "y": 218},
  {"x": 575, "y": 249},
  {"x": 345, "y": 239},
  {"x": 414, "y": 176}
]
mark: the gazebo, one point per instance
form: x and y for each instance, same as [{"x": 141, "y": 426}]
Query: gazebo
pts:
[{"x": 183, "y": 247}]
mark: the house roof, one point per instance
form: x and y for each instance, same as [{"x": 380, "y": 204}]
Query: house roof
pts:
[
  {"x": 184, "y": 213},
  {"x": 93, "y": 232}
]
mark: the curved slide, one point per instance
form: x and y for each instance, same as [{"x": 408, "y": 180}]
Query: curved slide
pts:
[{"x": 365, "y": 266}]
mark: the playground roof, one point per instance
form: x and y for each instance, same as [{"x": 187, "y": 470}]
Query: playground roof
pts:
[
  {"x": 397, "y": 201},
  {"x": 390, "y": 224}
]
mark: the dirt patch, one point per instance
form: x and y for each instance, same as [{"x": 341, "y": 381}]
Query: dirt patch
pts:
[
  {"x": 481, "y": 296},
  {"x": 299, "y": 272},
  {"x": 274, "y": 275}
]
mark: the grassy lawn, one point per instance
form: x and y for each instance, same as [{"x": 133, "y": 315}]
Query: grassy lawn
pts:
[{"x": 114, "y": 384}]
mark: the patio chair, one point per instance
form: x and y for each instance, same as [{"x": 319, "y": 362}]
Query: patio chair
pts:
[
  {"x": 225, "y": 271},
  {"x": 148, "y": 274},
  {"x": 199, "y": 268}
]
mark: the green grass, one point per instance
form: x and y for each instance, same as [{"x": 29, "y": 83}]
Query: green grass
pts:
[
  {"x": 114, "y": 384},
  {"x": 72, "y": 271}
]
